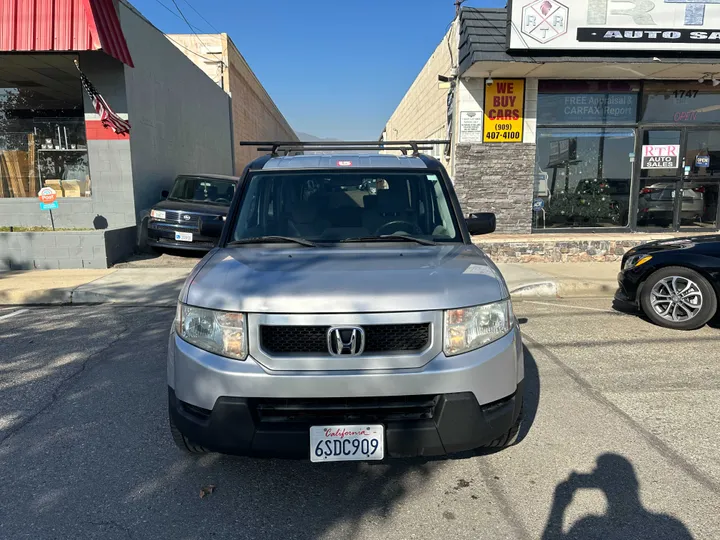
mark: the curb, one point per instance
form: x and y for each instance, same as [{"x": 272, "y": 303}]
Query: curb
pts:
[{"x": 562, "y": 289}]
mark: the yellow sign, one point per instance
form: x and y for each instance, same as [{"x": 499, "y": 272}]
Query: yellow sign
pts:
[{"x": 504, "y": 111}]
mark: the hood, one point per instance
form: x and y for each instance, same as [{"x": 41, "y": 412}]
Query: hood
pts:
[
  {"x": 673, "y": 244},
  {"x": 345, "y": 279},
  {"x": 182, "y": 206}
]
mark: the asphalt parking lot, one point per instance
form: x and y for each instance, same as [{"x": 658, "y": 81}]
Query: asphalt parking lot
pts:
[{"x": 622, "y": 441}]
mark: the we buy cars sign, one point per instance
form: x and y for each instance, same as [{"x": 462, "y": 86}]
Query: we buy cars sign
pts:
[{"x": 47, "y": 195}]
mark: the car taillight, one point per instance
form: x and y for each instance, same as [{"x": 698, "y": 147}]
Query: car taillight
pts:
[
  {"x": 700, "y": 189},
  {"x": 645, "y": 191}
]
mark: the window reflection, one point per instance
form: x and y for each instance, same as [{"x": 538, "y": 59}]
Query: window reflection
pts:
[
  {"x": 582, "y": 177},
  {"x": 42, "y": 129}
]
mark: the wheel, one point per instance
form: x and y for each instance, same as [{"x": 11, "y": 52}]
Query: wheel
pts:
[
  {"x": 509, "y": 437},
  {"x": 678, "y": 297},
  {"x": 183, "y": 443},
  {"x": 142, "y": 237}
]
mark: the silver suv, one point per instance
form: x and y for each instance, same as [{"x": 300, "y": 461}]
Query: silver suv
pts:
[{"x": 345, "y": 314}]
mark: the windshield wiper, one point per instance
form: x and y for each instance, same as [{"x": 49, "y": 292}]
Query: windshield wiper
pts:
[
  {"x": 390, "y": 238},
  {"x": 271, "y": 240}
]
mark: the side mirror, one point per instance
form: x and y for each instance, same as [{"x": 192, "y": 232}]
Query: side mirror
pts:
[
  {"x": 482, "y": 223},
  {"x": 164, "y": 193},
  {"x": 211, "y": 228}
]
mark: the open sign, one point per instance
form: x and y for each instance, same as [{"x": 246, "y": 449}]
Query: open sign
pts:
[{"x": 47, "y": 195}]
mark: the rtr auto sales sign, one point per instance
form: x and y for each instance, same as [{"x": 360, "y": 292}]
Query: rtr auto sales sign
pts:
[{"x": 638, "y": 25}]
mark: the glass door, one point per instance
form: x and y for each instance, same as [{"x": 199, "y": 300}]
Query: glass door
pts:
[
  {"x": 701, "y": 179},
  {"x": 661, "y": 167}
]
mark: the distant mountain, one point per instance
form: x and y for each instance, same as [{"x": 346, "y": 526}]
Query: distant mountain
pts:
[{"x": 306, "y": 137}]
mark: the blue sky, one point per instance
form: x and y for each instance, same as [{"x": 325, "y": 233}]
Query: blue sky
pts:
[{"x": 335, "y": 68}]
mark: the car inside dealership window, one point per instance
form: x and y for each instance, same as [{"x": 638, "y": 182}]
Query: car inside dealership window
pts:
[{"x": 42, "y": 131}]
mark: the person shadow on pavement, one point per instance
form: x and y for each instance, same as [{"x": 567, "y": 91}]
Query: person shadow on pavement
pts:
[{"x": 626, "y": 517}]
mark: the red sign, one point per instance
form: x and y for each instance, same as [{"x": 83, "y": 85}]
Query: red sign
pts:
[
  {"x": 344, "y": 163},
  {"x": 47, "y": 195}
]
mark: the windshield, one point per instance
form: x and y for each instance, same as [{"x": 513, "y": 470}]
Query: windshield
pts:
[
  {"x": 202, "y": 189},
  {"x": 336, "y": 206}
]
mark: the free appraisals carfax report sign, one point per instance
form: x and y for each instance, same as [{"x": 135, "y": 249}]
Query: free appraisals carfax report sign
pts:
[{"x": 652, "y": 25}]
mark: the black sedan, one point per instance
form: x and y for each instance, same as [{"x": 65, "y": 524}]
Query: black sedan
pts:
[
  {"x": 675, "y": 282},
  {"x": 194, "y": 199}
]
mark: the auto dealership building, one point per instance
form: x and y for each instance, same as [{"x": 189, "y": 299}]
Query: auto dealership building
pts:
[{"x": 582, "y": 115}]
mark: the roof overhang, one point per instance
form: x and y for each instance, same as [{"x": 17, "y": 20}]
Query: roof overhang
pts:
[
  {"x": 62, "y": 26},
  {"x": 600, "y": 69}
]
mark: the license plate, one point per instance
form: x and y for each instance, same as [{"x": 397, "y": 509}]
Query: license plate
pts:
[
  {"x": 184, "y": 236},
  {"x": 347, "y": 443}
]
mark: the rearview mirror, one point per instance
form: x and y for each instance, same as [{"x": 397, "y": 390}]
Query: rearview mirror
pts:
[
  {"x": 165, "y": 193},
  {"x": 481, "y": 223},
  {"x": 211, "y": 228}
]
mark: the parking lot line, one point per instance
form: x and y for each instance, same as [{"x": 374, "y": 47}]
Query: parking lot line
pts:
[{"x": 8, "y": 315}]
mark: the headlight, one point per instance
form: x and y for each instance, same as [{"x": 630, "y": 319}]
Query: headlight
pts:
[
  {"x": 157, "y": 214},
  {"x": 636, "y": 260},
  {"x": 218, "y": 332},
  {"x": 470, "y": 328}
]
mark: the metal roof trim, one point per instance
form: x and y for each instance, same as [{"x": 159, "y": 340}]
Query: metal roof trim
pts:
[{"x": 62, "y": 26}]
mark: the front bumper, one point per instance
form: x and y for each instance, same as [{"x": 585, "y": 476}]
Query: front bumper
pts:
[
  {"x": 478, "y": 395},
  {"x": 457, "y": 424},
  {"x": 163, "y": 235}
]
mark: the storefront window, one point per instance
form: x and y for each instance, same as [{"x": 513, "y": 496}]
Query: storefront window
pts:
[
  {"x": 681, "y": 103},
  {"x": 586, "y": 103},
  {"x": 582, "y": 177},
  {"x": 42, "y": 128}
]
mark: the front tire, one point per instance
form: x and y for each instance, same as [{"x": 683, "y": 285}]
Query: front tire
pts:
[
  {"x": 509, "y": 437},
  {"x": 679, "y": 298},
  {"x": 183, "y": 443}
]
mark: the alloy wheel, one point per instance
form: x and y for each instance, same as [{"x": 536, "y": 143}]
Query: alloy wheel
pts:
[{"x": 676, "y": 298}]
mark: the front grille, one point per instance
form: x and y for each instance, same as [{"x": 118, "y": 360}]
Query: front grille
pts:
[
  {"x": 332, "y": 411},
  {"x": 171, "y": 215},
  {"x": 380, "y": 338},
  {"x": 396, "y": 337}
]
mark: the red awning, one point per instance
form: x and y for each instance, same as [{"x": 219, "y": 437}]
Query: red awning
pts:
[{"x": 62, "y": 25}]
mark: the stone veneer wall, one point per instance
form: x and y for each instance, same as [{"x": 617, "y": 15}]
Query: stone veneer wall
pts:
[
  {"x": 497, "y": 178},
  {"x": 558, "y": 250}
]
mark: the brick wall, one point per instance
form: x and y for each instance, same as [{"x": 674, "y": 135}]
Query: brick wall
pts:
[
  {"x": 422, "y": 113},
  {"x": 255, "y": 116},
  {"x": 497, "y": 178}
]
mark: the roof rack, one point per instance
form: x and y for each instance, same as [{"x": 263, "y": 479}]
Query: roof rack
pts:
[{"x": 333, "y": 146}]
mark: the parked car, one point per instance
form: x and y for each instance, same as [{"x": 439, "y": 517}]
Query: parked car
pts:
[
  {"x": 335, "y": 324},
  {"x": 675, "y": 282},
  {"x": 656, "y": 203},
  {"x": 175, "y": 221}
]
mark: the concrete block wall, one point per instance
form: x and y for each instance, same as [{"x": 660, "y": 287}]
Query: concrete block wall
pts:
[
  {"x": 422, "y": 113},
  {"x": 52, "y": 250},
  {"x": 254, "y": 114}
]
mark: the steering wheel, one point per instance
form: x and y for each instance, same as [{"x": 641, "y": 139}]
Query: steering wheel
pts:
[
  {"x": 396, "y": 226},
  {"x": 222, "y": 200}
]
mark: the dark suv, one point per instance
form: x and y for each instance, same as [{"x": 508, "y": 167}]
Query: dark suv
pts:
[{"x": 175, "y": 222}]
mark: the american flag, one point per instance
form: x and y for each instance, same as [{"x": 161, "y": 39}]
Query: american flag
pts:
[{"x": 108, "y": 117}]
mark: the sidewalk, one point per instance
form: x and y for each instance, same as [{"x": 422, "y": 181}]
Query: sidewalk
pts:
[{"x": 160, "y": 286}]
